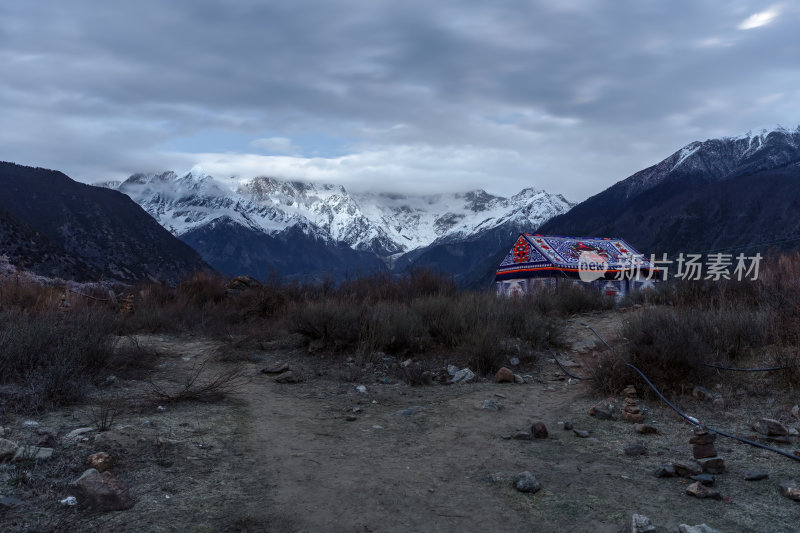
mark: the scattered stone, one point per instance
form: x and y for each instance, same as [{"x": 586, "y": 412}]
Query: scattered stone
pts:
[
  {"x": 645, "y": 429},
  {"x": 8, "y": 502},
  {"x": 526, "y": 482},
  {"x": 33, "y": 452},
  {"x": 604, "y": 410},
  {"x": 701, "y": 393},
  {"x": 69, "y": 501},
  {"x": 705, "y": 479},
  {"x": 408, "y": 362},
  {"x": 30, "y": 424},
  {"x": 582, "y": 433},
  {"x": 276, "y": 368},
  {"x": 702, "y": 528},
  {"x": 631, "y": 411},
  {"x": 521, "y": 435},
  {"x": 593, "y": 440},
  {"x": 539, "y": 430},
  {"x": 103, "y": 491},
  {"x": 712, "y": 465},
  {"x": 351, "y": 418},
  {"x": 702, "y": 451},
  {"x": 451, "y": 369},
  {"x": 755, "y": 475},
  {"x": 75, "y": 433},
  {"x": 514, "y": 361},
  {"x": 793, "y": 432},
  {"x": 665, "y": 471},
  {"x": 791, "y": 489},
  {"x": 361, "y": 389},
  {"x": 770, "y": 427},
  {"x": 504, "y": 375},
  {"x": 635, "y": 448},
  {"x": 410, "y": 411},
  {"x": 567, "y": 425},
  {"x": 7, "y": 449},
  {"x": 796, "y": 411},
  {"x": 687, "y": 468},
  {"x": 465, "y": 375},
  {"x": 287, "y": 377},
  {"x": 518, "y": 379},
  {"x": 489, "y": 405},
  {"x": 640, "y": 524},
  {"x": 698, "y": 490},
  {"x": 100, "y": 461}
]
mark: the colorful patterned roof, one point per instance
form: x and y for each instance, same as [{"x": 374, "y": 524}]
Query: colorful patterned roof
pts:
[{"x": 535, "y": 253}]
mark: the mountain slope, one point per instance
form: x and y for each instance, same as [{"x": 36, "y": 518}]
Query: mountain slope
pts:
[
  {"x": 721, "y": 193},
  {"x": 100, "y": 231},
  {"x": 309, "y": 230}
]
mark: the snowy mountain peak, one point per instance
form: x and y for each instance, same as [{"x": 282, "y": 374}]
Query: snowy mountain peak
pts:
[{"x": 383, "y": 223}]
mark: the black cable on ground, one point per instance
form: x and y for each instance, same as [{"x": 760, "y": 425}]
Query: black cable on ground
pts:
[
  {"x": 567, "y": 372},
  {"x": 693, "y": 420},
  {"x": 760, "y": 369},
  {"x": 696, "y": 422}
]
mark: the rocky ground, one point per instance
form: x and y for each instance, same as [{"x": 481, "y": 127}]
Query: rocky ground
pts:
[{"x": 351, "y": 447}]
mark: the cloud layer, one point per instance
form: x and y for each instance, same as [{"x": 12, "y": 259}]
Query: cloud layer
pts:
[{"x": 569, "y": 96}]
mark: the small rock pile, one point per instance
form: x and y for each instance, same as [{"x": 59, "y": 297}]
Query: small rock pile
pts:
[{"x": 630, "y": 410}]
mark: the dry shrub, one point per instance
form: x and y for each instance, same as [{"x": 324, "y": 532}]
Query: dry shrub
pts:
[
  {"x": 54, "y": 358},
  {"x": 202, "y": 385}
]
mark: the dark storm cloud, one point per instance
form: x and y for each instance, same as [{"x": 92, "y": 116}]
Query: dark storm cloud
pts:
[{"x": 568, "y": 95}]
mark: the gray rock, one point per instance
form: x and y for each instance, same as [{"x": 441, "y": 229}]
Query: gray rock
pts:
[
  {"x": 30, "y": 424},
  {"x": 712, "y": 465},
  {"x": 519, "y": 379},
  {"x": 791, "y": 489},
  {"x": 705, "y": 479},
  {"x": 635, "y": 448},
  {"x": 465, "y": 375},
  {"x": 702, "y": 528},
  {"x": 102, "y": 491},
  {"x": 514, "y": 361},
  {"x": 770, "y": 427},
  {"x": 410, "y": 411},
  {"x": 755, "y": 475},
  {"x": 567, "y": 425},
  {"x": 351, "y": 418},
  {"x": 452, "y": 370},
  {"x": 489, "y": 405},
  {"x": 526, "y": 482},
  {"x": 76, "y": 433},
  {"x": 33, "y": 452},
  {"x": 665, "y": 471},
  {"x": 539, "y": 430},
  {"x": 698, "y": 490},
  {"x": 687, "y": 468},
  {"x": 640, "y": 524},
  {"x": 645, "y": 429},
  {"x": 361, "y": 389},
  {"x": 521, "y": 435},
  {"x": 582, "y": 433},
  {"x": 7, "y": 449}
]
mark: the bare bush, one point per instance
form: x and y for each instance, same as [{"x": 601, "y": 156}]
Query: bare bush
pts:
[{"x": 202, "y": 385}]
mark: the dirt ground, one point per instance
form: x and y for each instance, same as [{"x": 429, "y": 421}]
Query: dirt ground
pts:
[{"x": 285, "y": 457}]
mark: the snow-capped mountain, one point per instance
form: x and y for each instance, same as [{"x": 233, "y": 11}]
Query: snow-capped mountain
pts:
[
  {"x": 385, "y": 225},
  {"x": 732, "y": 193}
]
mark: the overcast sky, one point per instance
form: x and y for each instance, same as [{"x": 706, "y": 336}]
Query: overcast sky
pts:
[{"x": 429, "y": 96}]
